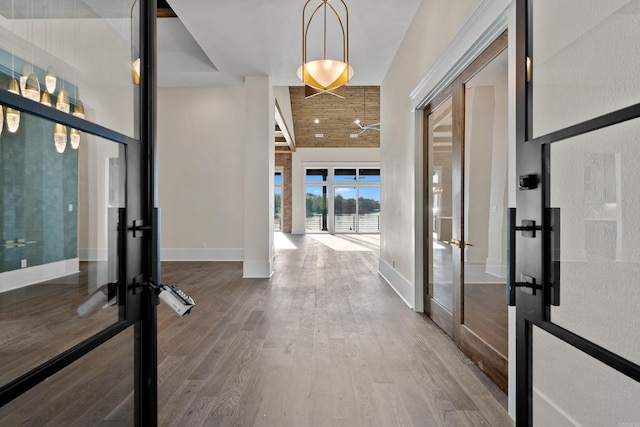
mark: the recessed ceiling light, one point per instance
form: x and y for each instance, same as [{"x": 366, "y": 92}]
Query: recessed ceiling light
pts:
[{"x": 316, "y": 121}]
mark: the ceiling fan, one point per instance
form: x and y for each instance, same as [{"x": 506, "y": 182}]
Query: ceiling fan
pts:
[{"x": 370, "y": 126}]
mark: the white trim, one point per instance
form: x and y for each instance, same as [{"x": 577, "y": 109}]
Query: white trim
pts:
[
  {"x": 197, "y": 254},
  {"x": 418, "y": 206},
  {"x": 398, "y": 283},
  {"x": 488, "y": 21},
  {"x": 15, "y": 279},
  {"x": 257, "y": 269},
  {"x": 93, "y": 254},
  {"x": 495, "y": 267},
  {"x": 356, "y": 164}
]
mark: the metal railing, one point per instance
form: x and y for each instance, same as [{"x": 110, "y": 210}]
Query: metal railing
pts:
[{"x": 347, "y": 223}]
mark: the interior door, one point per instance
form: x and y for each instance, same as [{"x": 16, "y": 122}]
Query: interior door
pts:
[
  {"x": 466, "y": 158},
  {"x": 484, "y": 319},
  {"x": 576, "y": 230},
  {"x": 441, "y": 169},
  {"x": 77, "y": 318}
]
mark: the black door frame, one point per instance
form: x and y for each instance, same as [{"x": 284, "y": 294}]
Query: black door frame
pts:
[
  {"x": 139, "y": 247},
  {"x": 533, "y": 255}
]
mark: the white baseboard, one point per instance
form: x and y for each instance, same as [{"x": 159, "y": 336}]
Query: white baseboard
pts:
[
  {"x": 495, "y": 267},
  {"x": 15, "y": 279},
  {"x": 93, "y": 254},
  {"x": 257, "y": 269},
  {"x": 206, "y": 254},
  {"x": 398, "y": 283}
]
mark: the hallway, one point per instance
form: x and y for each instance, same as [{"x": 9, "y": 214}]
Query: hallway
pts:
[{"x": 325, "y": 342}]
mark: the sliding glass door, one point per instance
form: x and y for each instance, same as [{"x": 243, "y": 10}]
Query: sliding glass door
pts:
[{"x": 342, "y": 199}]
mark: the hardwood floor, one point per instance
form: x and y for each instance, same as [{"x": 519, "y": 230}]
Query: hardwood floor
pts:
[{"x": 325, "y": 342}]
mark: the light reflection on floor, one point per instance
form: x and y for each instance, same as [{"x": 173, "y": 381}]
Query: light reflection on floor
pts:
[
  {"x": 349, "y": 242},
  {"x": 281, "y": 241}
]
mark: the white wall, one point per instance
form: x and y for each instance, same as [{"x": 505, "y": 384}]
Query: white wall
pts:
[
  {"x": 201, "y": 172},
  {"x": 323, "y": 155},
  {"x": 259, "y": 159},
  {"x": 434, "y": 26},
  {"x": 440, "y": 43}
]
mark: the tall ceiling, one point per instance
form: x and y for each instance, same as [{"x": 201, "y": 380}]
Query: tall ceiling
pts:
[{"x": 229, "y": 39}]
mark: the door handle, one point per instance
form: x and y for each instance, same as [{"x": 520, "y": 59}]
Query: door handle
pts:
[
  {"x": 454, "y": 242},
  {"x": 458, "y": 243}
]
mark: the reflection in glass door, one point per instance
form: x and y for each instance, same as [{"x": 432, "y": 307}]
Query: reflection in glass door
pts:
[
  {"x": 485, "y": 204},
  {"x": 440, "y": 166}
]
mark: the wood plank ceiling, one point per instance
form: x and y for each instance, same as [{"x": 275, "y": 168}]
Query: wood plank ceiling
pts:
[{"x": 335, "y": 118}]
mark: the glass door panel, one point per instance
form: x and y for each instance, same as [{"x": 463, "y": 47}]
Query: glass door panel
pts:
[
  {"x": 345, "y": 210},
  {"x": 277, "y": 209},
  {"x": 94, "y": 390},
  {"x": 316, "y": 208},
  {"x": 485, "y": 204},
  {"x": 440, "y": 199},
  {"x": 368, "y": 209},
  {"x": 568, "y": 385},
  {"x": 585, "y": 60},
  {"x": 592, "y": 185},
  {"x": 277, "y": 202},
  {"x": 81, "y": 52},
  {"x": 59, "y": 251}
]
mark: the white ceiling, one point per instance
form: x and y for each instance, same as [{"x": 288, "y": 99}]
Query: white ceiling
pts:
[{"x": 263, "y": 37}]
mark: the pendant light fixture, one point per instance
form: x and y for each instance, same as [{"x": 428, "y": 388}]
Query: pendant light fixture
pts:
[
  {"x": 50, "y": 79},
  {"x": 13, "y": 115},
  {"x": 325, "y": 75},
  {"x": 135, "y": 63},
  {"x": 60, "y": 137},
  {"x": 32, "y": 88},
  {"x": 62, "y": 102},
  {"x": 74, "y": 138},
  {"x": 32, "y": 85},
  {"x": 78, "y": 106},
  {"x": 45, "y": 99}
]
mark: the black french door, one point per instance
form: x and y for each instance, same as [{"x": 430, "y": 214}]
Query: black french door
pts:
[
  {"x": 575, "y": 229},
  {"x": 78, "y": 194}
]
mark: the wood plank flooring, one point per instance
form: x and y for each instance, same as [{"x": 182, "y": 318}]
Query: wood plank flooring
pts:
[{"x": 325, "y": 342}]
